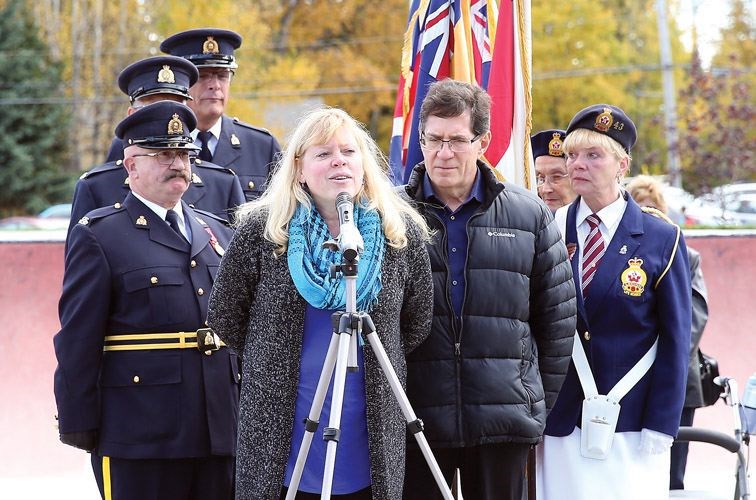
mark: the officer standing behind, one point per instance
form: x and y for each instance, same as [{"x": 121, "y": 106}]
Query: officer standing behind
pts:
[
  {"x": 250, "y": 151},
  {"x": 551, "y": 171},
  {"x": 213, "y": 188},
  {"x": 140, "y": 383}
]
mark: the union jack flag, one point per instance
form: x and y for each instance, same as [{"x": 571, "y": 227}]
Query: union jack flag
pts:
[{"x": 459, "y": 39}]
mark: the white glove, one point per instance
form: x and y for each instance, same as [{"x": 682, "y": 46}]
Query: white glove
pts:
[{"x": 654, "y": 443}]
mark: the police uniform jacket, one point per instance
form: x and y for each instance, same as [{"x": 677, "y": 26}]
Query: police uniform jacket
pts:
[
  {"x": 494, "y": 377},
  {"x": 128, "y": 272},
  {"x": 251, "y": 152},
  {"x": 213, "y": 189},
  {"x": 617, "y": 328}
]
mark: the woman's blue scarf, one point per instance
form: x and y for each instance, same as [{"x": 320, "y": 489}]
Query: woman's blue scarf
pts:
[{"x": 310, "y": 263}]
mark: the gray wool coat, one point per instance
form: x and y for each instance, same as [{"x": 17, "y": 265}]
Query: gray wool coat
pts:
[{"x": 256, "y": 309}]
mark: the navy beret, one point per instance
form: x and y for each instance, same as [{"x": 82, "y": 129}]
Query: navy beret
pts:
[
  {"x": 158, "y": 75},
  {"x": 608, "y": 120},
  {"x": 160, "y": 125},
  {"x": 205, "y": 47},
  {"x": 547, "y": 143}
]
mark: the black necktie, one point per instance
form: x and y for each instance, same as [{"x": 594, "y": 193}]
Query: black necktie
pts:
[
  {"x": 205, "y": 154},
  {"x": 172, "y": 218}
]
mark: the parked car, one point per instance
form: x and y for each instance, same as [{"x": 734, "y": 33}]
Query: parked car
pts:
[
  {"x": 743, "y": 208},
  {"x": 687, "y": 210},
  {"x": 51, "y": 218}
]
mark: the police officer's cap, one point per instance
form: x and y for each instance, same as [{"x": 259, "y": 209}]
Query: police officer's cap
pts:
[
  {"x": 160, "y": 125},
  {"x": 205, "y": 47},
  {"x": 548, "y": 143},
  {"x": 158, "y": 75},
  {"x": 608, "y": 120}
]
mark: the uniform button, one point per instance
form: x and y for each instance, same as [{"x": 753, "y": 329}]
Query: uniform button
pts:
[
  {"x": 117, "y": 205},
  {"x": 208, "y": 353},
  {"x": 587, "y": 335},
  {"x": 251, "y": 184},
  {"x": 454, "y": 282},
  {"x": 154, "y": 280},
  {"x": 136, "y": 379},
  {"x": 200, "y": 291},
  {"x": 454, "y": 249},
  {"x": 193, "y": 263},
  {"x": 453, "y": 218},
  {"x": 238, "y": 376}
]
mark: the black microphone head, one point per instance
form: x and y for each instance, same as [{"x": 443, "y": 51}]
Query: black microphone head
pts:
[{"x": 342, "y": 198}]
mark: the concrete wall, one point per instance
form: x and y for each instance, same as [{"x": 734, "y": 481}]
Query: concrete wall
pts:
[{"x": 31, "y": 274}]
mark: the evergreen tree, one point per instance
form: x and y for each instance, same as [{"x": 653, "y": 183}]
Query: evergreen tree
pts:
[{"x": 34, "y": 127}]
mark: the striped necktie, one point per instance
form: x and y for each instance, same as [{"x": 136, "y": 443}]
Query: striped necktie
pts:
[{"x": 593, "y": 251}]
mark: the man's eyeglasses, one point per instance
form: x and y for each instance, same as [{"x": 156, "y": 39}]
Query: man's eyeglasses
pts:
[
  {"x": 168, "y": 156},
  {"x": 456, "y": 145},
  {"x": 552, "y": 178}
]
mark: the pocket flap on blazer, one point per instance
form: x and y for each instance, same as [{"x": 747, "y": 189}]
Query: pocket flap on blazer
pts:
[
  {"x": 147, "y": 277},
  {"x": 140, "y": 368}
]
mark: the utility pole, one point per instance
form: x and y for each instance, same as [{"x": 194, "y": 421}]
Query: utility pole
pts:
[{"x": 670, "y": 100}]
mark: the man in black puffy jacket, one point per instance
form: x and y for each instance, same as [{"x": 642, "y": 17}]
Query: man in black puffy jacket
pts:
[{"x": 504, "y": 308}]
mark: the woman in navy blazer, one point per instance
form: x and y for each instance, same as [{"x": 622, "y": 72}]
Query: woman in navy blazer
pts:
[{"x": 637, "y": 292}]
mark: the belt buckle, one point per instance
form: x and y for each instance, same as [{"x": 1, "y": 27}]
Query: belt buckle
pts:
[{"x": 207, "y": 340}]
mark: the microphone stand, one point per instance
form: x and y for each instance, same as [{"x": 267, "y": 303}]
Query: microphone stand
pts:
[{"x": 342, "y": 355}]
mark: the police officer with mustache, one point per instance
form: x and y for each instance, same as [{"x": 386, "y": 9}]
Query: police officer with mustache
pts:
[{"x": 141, "y": 383}]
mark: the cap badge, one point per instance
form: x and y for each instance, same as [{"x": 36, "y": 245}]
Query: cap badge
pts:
[
  {"x": 633, "y": 278},
  {"x": 165, "y": 75},
  {"x": 175, "y": 127},
  {"x": 196, "y": 179},
  {"x": 604, "y": 120},
  {"x": 141, "y": 221},
  {"x": 235, "y": 140},
  {"x": 210, "y": 46},
  {"x": 555, "y": 145}
]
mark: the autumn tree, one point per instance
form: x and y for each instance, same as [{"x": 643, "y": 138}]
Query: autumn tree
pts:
[
  {"x": 33, "y": 144},
  {"x": 718, "y": 141},
  {"x": 587, "y": 52}
]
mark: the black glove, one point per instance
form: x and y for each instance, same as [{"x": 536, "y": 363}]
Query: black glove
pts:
[{"x": 86, "y": 440}]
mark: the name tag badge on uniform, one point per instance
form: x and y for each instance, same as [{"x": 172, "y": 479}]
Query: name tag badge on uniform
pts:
[
  {"x": 235, "y": 142},
  {"x": 634, "y": 278}
]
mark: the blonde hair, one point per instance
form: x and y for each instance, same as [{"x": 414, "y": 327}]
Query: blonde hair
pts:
[
  {"x": 284, "y": 191},
  {"x": 646, "y": 187},
  {"x": 582, "y": 137}
]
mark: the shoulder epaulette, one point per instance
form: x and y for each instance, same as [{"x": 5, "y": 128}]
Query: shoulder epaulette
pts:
[
  {"x": 210, "y": 215},
  {"x": 105, "y": 167},
  {"x": 206, "y": 164},
  {"x": 658, "y": 214},
  {"x": 100, "y": 213},
  {"x": 237, "y": 121}
]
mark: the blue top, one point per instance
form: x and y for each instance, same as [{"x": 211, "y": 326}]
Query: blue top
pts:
[
  {"x": 352, "y": 467},
  {"x": 456, "y": 238}
]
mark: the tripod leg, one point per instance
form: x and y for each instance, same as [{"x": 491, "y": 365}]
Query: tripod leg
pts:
[
  {"x": 414, "y": 424},
  {"x": 311, "y": 424},
  {"x": 332, "y": 432}
]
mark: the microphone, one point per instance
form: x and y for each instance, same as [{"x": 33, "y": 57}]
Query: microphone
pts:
[{"x": 350, "y": 240}]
